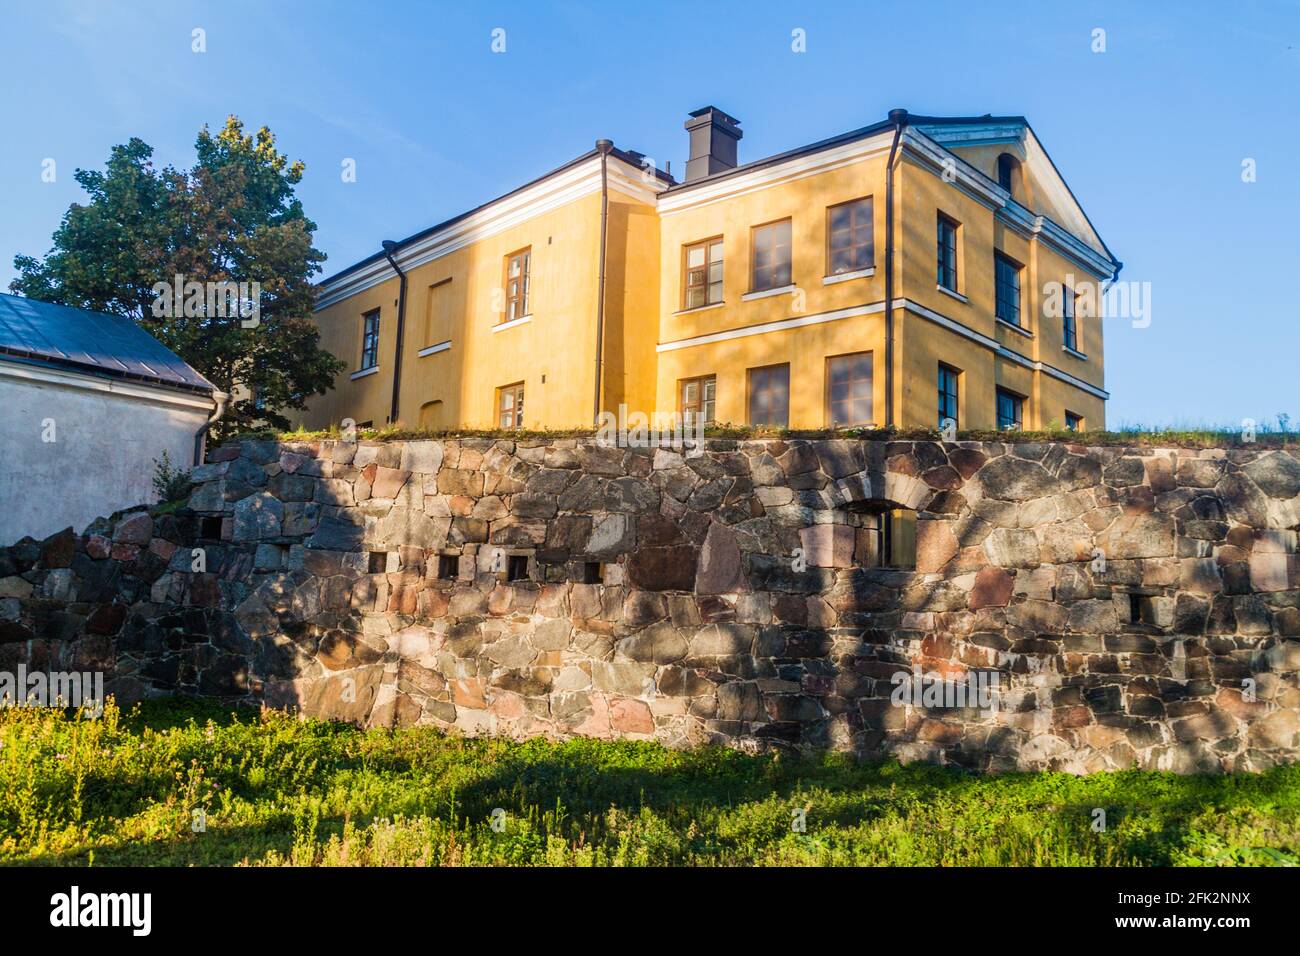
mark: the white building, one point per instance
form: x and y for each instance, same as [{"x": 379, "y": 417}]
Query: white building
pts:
[{"x": 88, "y": 401}]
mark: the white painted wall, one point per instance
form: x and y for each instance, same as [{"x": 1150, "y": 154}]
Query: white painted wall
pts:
[{"x": 106, "y": 433}]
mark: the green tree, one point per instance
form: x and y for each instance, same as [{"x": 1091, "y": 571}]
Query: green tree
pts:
[{"x": 233, "y": 217}]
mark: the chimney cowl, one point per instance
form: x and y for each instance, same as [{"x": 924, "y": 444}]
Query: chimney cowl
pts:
[{"x": 714, "y": 135}]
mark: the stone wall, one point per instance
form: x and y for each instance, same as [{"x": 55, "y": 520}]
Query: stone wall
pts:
[{"x": 1136, "y": 606}]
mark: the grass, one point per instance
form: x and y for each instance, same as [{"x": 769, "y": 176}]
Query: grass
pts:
[
  {"x": 124, "y": 790},
  {"x": 1183, "y": 436}
]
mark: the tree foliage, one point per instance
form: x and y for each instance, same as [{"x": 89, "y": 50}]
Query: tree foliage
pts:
[{"x": 233, "y": 217}]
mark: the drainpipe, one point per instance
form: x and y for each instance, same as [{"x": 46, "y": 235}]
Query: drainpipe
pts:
[
  {"x": 389, "y": 247},
  {"x": 899, "y": 118},
  {"x": 220, "y": 398},
  {"x": 603, "y": 146}
]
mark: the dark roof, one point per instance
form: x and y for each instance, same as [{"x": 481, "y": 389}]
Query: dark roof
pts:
[
  {"x": 628, "y": 156},
  {"x": 635, "y": 159},
  {"x": 840, "y": 140},
  {"x": 95, "y": 342},
  {"x": 913, "y": 119}
]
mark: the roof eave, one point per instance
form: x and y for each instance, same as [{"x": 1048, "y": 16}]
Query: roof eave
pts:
[{"x": 621, "y": 154}]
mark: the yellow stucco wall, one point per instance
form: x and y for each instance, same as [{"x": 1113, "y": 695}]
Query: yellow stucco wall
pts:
[
  {"x": 647, "y": 351},
  {"x": 553, "y": 354},
  {"x": 804, "y": 201},
  {"x": 631, "y": 304},
  {"x": 923, "y": 195}
]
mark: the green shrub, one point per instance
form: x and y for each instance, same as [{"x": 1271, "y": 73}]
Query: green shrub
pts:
[{"x": 169, "y": 483}]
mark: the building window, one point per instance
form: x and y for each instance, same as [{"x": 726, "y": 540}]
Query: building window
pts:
[
  {"x": 890, "y": 540},
  {"x": 1007, "y": 283},
  {"x": 848, "y": 389},
  {"x": 947, "y": 253},
  {"x": 699, "y": 397},
  {"x": 1007, "y": 167},
  {"x": 703, "y": 285},
  {"x": 771, "y": 256},
  {"x": 1073, "y": 422},
  {"x": 518, "y": 267},
  {"x": 448, "y": 567},
  {"x": 1010, "y": 410},
  {"x": 947, "y": 395},
  {"x": 1070, "y": 328},
  {"x": 510, "y": 406},
  {"x": 849, "y": 237},
  {"x": 769, "y": 395},
  {"x": 369, "y": 340}
]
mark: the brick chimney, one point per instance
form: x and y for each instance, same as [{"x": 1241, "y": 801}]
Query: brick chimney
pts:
[{"x": 713, "y": 142}]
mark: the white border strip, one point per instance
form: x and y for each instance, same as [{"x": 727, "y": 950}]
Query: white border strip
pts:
[
  {"x": 432, "y": 349},
  {"x": 502, "y": 326},
  {"x": 500, "y": 215},
  {"x": 798, "y": 167},
  {"x": 847, "y": 276},
  {"x": 779, "y": 326},
  {"x": 997, "y": 347}
]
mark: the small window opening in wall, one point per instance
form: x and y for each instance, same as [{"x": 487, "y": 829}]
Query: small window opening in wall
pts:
[
  {"x": 898, "y": 538},
  {"x": 448, "y": 567},
  {"x": 210, "y": 528},
  {"x": 593, "y": 572},
  {"x": 887, "y": 538},
  {"x": 517, "y": 567},
  {"x": 1135, "y": 609},
  {"x": 378, "y": 562}
]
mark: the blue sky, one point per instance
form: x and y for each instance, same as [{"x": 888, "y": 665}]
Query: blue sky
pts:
[{"x": 1150, "y": 134}]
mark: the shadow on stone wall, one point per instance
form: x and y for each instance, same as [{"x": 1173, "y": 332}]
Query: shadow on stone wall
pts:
[{"x": 1135, "y": 607}]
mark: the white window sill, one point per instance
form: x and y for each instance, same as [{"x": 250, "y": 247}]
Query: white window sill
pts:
[
  {"x": 433, "y": 349},
  {"x": 700, "y": 308},
  {"x": 1014, "y": 328},
  {"x": 956, "y": 295},
  {"x": 502, "y": 326},
  {"x": 750, "y": 296},
  {"x": 848, "y": 276},
  {"x": 1077, "y": 354},
  {"x": 364, "y": 372}
]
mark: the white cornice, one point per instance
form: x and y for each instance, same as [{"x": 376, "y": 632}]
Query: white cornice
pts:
[
  {"x": 780, "y": 325},
  {"x": 140, "y": 391},
  {"x": 938, "y": 318},
  {"x": 797, "y": 167},
  {"x": 509, "y": 211},
  {"x": 1026, "y": 222},
  {"x": 983, "y": 189},
  {"x": 877, "y": 307},
  {"x": 917, "y": 144}
]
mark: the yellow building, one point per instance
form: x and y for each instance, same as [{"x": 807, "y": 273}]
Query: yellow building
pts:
[{"x": 750, "y": 293}]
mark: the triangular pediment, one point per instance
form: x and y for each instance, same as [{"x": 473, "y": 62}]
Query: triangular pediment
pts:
[{"x": 980, "y": 141}]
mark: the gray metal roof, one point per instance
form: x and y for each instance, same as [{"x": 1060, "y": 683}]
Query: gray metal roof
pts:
[{"x": 93, "y": 342}]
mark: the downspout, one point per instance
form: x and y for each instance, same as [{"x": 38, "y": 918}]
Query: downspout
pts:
[
  {"x": 603, "y": 146},
  {"x": 199, "y": 437},
  {"x": 389, "y": 246},
  {"x": 900, "y": 120}
]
